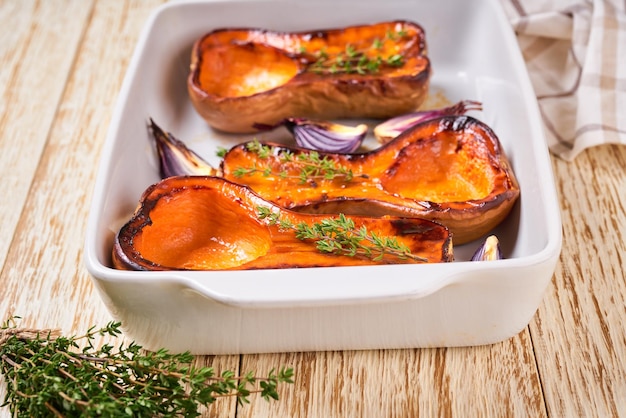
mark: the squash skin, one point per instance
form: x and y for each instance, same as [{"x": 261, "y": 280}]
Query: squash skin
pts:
[
  {"x": 224, "y": 60},
  {"x": 451, "y": 170},
  {"x": 208, "y": 223}
]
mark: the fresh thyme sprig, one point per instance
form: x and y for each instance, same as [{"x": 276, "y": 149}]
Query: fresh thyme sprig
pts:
[
  {"x": 311, "y": 165},
  {"x": 221, "y": 152},
  {"x": 341, "y": 236},
  {"x": 46, "y": 374},
  {"x": 357, "y": 61}
]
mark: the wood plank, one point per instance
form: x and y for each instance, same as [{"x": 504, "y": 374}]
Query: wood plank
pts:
[
  {"x": 580, "y": 330},
  {"x": 495, "y": 380},
  {"x": 38, "y": 43}
]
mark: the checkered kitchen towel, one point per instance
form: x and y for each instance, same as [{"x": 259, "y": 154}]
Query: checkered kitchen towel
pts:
[{"x": 575, "y": 52}]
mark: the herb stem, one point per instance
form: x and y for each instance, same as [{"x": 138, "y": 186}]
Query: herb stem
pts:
[
  {"x": 53, "y": 410},
  {"x": 341, "y": 236}
]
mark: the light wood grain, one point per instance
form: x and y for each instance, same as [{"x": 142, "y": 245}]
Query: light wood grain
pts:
[
  {"x": 62, "y": 63},
  {"x": 38, "y": 42},
  {"x": 495, "y": 380},
  {"x": 579, "y": 333},
  {"x": 47, "y": 246}
]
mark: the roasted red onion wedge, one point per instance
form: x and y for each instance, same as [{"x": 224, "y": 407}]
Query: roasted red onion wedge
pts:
[
  {"x": 393, "y": 127},
  {"x": 175, "y": 159},
  {"x": 489, "y": 250},
  {"x": 322, "y": 135}
]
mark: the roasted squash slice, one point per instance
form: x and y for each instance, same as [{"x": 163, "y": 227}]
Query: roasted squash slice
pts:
[
  {"x": 242, "y": 77},
  {"x": 450, "y": 170},
  {"x": 208, "y": 223}
]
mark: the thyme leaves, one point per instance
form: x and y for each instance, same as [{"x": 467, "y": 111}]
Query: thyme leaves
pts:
[
  {"x": 353, "y": 60},
  {"x": 307, "y": 167},
  {"x": 48, "y": 375},
  {"x": 341, "y": 236}
]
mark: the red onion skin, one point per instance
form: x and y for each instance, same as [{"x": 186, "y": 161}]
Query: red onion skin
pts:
[{"x": 393, "y": 127}]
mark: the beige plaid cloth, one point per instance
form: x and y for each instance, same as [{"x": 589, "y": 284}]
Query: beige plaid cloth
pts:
[{"x": 575, "y": 52}]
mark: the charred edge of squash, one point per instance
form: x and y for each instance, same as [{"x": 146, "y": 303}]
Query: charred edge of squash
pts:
[{"x": 124, "y": 252}]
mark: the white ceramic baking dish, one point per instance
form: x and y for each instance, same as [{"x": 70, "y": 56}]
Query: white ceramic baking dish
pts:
[{"x": 474, "y": 56}]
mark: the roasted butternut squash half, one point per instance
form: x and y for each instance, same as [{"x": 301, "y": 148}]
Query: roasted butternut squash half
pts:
[
  {"x": 208, "y": 223},
  {"x": 451, "y": 170},
  {"x": 243, "y": 77}
]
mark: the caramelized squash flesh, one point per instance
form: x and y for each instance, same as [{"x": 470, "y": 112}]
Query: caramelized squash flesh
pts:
[
  {"x": 208, "y": 223},
  {"x": 438, "y": 170},
  {"x": 244, "y": 70},
  {"x": 195, "y": 228}
]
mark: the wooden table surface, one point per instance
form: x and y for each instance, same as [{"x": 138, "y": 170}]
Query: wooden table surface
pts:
[{"x": 61, "y": 67}]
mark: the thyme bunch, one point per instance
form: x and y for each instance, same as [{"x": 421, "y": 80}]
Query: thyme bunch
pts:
[
  {"x": 357, "y": 61},
  {"x": 341, "y": 236},
  {"x": 312, "y": 166},
  {"x": 46, "y": 374}
]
